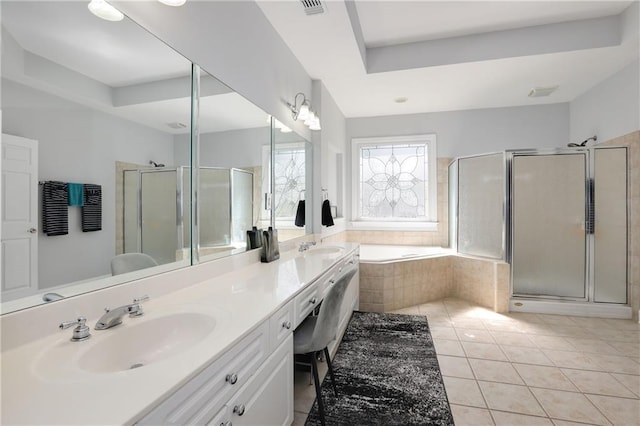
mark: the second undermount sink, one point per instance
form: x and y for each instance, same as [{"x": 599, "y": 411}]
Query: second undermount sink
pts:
[
  {"x": 325, "y": 250},
  {"x": 137, "y": 345}
]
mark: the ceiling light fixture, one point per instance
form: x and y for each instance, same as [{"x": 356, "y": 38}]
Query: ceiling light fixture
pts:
[
  {"x": 302, "y": 111},
  {"x": 174, "y": 3},
  {"x": 105, "y": 11}
]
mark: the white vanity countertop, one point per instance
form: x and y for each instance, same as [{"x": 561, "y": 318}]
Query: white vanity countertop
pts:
[{"x": 42, "y": 383}]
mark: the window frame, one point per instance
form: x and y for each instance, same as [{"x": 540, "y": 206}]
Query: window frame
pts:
[{"x": 427, "y": 223}]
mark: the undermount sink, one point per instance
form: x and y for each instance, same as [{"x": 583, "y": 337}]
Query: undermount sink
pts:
[
  {"x": 325, "y": 250},
  {"x": 137, "y": 345}
]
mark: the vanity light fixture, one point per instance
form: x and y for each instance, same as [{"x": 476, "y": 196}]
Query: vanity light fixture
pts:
[
  {"x": 302, "y": 111},
  {"x": 173, "y": 2},
  {"x": 104, "y": 10}
]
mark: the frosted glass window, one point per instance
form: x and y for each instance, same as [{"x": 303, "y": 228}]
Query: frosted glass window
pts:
[
  {"x": 481, "y": 189},
  {"x": 289, "y": 178},
  {"x": 396, "y": 178}
]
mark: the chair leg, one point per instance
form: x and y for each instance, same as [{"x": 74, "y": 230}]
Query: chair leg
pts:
[
  {"x": 314, "y": 368},
  {"x": 333, "y": 380}
]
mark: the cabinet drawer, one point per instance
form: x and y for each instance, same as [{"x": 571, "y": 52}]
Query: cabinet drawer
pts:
[
  {"x": 304, "y": 303},
  {"x": 204, "y": 396},
  {"x": 267, "y": 399},
  {"x": 280, "y": 325}
]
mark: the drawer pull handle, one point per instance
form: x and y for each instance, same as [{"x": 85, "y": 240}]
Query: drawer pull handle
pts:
[
  {"x": 226, "y": 423},
  {"x": 287, "y": 325},
  {"x": 313, "y": 301},
  {"x": 239, "y": 409},
  {"x": 232, "y": 378},
  {"x": 351, "y": 262},
  {"x": 332, "y": 281}
]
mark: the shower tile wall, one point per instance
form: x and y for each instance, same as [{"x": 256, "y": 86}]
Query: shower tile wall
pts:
[{"x": 632, "y": 140}]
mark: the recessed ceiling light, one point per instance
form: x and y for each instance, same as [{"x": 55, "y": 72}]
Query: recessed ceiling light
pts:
[
  {"x": 401, "y": 100},
  {"x": 104, "y": 10},
  {"x": 537, "y": 92}
]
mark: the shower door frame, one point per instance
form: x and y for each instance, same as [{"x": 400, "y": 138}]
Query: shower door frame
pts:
[{"x": 589, "y": 273}]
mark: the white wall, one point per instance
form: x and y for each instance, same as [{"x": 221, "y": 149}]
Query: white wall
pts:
[
  {"x": 475, "y": 131},
  {"x": 610, "y": 109},
  {"x": 234, "y": 42},
  {"x": 234, "y": 148},
  {"x": 332, "y": 142},
  {"x": 78, "y": 144}
]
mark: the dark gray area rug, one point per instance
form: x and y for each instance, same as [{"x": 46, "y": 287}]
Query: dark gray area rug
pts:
[{"x": 387, "y": 373}]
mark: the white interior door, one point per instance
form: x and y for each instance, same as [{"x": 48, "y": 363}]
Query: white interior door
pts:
[{"x": 19, "y": 217}]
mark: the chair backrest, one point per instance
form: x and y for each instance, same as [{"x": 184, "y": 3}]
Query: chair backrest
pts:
[
  {"x": 128, "y": 262},
  {"x": 326, "y": 326}
]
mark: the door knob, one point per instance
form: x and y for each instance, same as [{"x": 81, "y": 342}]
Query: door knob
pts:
[{"x": 32, "y": 230}]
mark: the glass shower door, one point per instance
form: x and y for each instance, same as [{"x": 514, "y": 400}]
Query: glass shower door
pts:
[{"x": 549, "y": 239}]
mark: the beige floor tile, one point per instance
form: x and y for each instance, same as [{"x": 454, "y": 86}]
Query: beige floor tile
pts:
[
  {"x": 524, "y": 355},
  {"x": 595, "y": 346},
  {"x": 626, "y": 349},
  {"x": 570, "y": 406},
  {"x": 470, "y": 416},
  {"x": 412, "y": 310},
  {"x": 512, "y": 339},
  {"x": 455, "y": 366},
  {"x": 616, "y": 364},
  {"x": 505, "y": 326},
  {"x": 566, "y": 423},
  {"x": 299, "y": 419},
  {"x": 559, "y": 320},
  {"x": 474, "y": 335},
  {"x": 620, "y": 411},
  {"x": 620, "y": 336},
  {"x": 510, "y": 419},
  {"x": 630, "y": 381},
  {"x": 569, "y": 331},
  {"x": 464, "y": 322},
  {"x": 512, "y": 398},
  {"x": 495, "y": 371},
  {"x": 443, "y": 333},
  {"x": 597, "y": 382},
  {"x": 439, "y": 322},
  {"x": 463, "y": 392},
  {"x": 620, "y": 324},
  {"x": 552, "y": 342},
  {"x": 483, "y": 351},
  {"x": 544, "y": 377},
  {"x": 448, "y": 347},
  {"x": 570, "y": 359},
  {"x": 524, "y": 317}
]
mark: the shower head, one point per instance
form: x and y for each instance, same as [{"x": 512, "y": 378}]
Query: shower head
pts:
[
  {"x": 156, "y": 164},
  {"x": 583, "y": 143}
]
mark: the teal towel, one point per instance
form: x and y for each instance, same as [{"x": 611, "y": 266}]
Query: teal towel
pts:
[{"x": 76, "y": 192}]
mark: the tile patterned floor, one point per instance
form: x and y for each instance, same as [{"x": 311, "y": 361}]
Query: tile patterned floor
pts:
[{"x": 527, "y": 369}]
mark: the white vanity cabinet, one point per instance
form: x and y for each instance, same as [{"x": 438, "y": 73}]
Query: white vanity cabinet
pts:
[{"x": 252, "y": 383}]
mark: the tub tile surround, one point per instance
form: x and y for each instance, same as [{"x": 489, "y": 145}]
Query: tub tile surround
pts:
[
  {"x": 239, "y": 291},
  {"x": 394, "y": 285},
  {"x": 632, "y": 141}
]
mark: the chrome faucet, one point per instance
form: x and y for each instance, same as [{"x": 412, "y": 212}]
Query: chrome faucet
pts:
[
  {"x": 304, "y": 246},
  {"x": 113, "y": 317}
]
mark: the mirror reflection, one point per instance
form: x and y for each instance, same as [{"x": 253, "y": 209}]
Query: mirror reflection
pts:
[
  {"x": 292, "y": 183},
  {"x": 234, "y": 137},
  {"x": 83, "y": 100}
]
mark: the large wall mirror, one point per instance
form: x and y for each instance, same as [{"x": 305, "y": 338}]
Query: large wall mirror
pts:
[
  {"x": 83, "y": 101},
  {"x": 96, "y": 157}
]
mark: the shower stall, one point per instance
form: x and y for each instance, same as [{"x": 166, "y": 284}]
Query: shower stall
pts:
[
  {"x": 559, "y": 218},
  {"x": 157, "y": 211}
]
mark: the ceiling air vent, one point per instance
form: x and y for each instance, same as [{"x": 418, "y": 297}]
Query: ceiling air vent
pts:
[
  {"x": 177, "y": 125},
  {"x": 537, "y": 92},
  {"x": 311, "y": 7}
]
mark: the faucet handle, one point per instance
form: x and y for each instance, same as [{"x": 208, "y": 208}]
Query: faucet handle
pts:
[
  {"x": 81, "y": 332},
  {"x": 137, "y": 311},
  {"x": 141, "y": 299}
]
